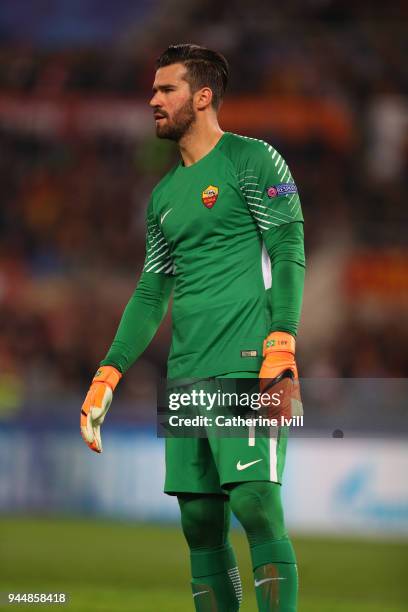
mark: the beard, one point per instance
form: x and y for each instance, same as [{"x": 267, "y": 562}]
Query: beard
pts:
[{"x": 182, "y": 121}]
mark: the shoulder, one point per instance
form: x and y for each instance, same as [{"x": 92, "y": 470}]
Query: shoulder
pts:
[
  {"x": 158, "y": 192},
  {"x": 163, "y": 183},
  {"x": 241, "y": 149}
]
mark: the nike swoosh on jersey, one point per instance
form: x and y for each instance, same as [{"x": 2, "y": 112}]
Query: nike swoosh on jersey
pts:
[
  {"x": 200, "y": 593},
  {"x": 246, "y": 465},
  {"x": 162, "y": 218},
  {"x": 259, "y": 582}
]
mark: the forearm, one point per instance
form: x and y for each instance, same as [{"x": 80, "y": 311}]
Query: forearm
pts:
[
  {"x": 285, "y": 246},
  {"x": 140, "y": 320}
]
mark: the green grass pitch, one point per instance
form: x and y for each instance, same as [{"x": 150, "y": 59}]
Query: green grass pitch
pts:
[{"x": 126, "y": 567}]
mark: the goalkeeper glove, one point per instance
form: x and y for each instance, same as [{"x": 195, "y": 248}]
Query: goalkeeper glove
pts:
[
  {"x": 96, "y": 405},
  {"x": 279, "y": 374}
]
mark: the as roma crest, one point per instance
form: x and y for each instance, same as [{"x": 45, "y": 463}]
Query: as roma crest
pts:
[{"x": 209, "y": 196}]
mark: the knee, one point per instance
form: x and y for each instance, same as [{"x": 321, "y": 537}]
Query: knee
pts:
[
  {"x": 205, "y": 521},
  {"x": 247, "y": 504},
  {"x": 258, "y": 507}
]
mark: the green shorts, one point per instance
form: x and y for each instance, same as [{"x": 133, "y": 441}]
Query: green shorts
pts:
[{"x": 209, "y": 464}]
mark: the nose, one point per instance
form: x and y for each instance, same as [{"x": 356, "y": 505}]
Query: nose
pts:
[{"x": 154, "y": 100}]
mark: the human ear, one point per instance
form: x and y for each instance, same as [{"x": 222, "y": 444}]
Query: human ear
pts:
[{"x": 203, "y": 98}]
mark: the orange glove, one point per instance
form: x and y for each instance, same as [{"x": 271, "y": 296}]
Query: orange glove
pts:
[
  {"x": 279, "y": 374},
  {"x": 96, "y": 405}
]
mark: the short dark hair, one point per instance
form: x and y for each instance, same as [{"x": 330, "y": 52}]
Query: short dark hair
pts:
[{"x": 205, "y": 68}]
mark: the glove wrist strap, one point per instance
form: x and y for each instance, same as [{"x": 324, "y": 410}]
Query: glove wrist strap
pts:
[
  {"x": 279, "y": 342},
  {"x": 108, "y": 375}
]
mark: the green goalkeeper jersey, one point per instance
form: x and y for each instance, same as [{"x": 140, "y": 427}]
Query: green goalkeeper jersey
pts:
[{"x": 205, "y": 226}]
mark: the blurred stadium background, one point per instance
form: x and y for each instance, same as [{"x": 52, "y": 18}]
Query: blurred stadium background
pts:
[{"x": 325, "y": 81}]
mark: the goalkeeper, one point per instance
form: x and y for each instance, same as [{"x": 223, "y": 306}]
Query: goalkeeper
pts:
[{"x": 219, "y": 225}]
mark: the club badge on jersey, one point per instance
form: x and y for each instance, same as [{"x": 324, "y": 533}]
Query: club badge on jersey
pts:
[{"x": 209, "y": 196}]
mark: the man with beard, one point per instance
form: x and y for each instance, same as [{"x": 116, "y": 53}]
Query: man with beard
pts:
[{"x": 217, "y": 225}]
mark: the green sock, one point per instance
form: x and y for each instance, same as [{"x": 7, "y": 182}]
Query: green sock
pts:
[
  {"x": 276, "y": 578},
  {"x": 258, "y": 507},
  {"x": 216, "y": 583}
]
